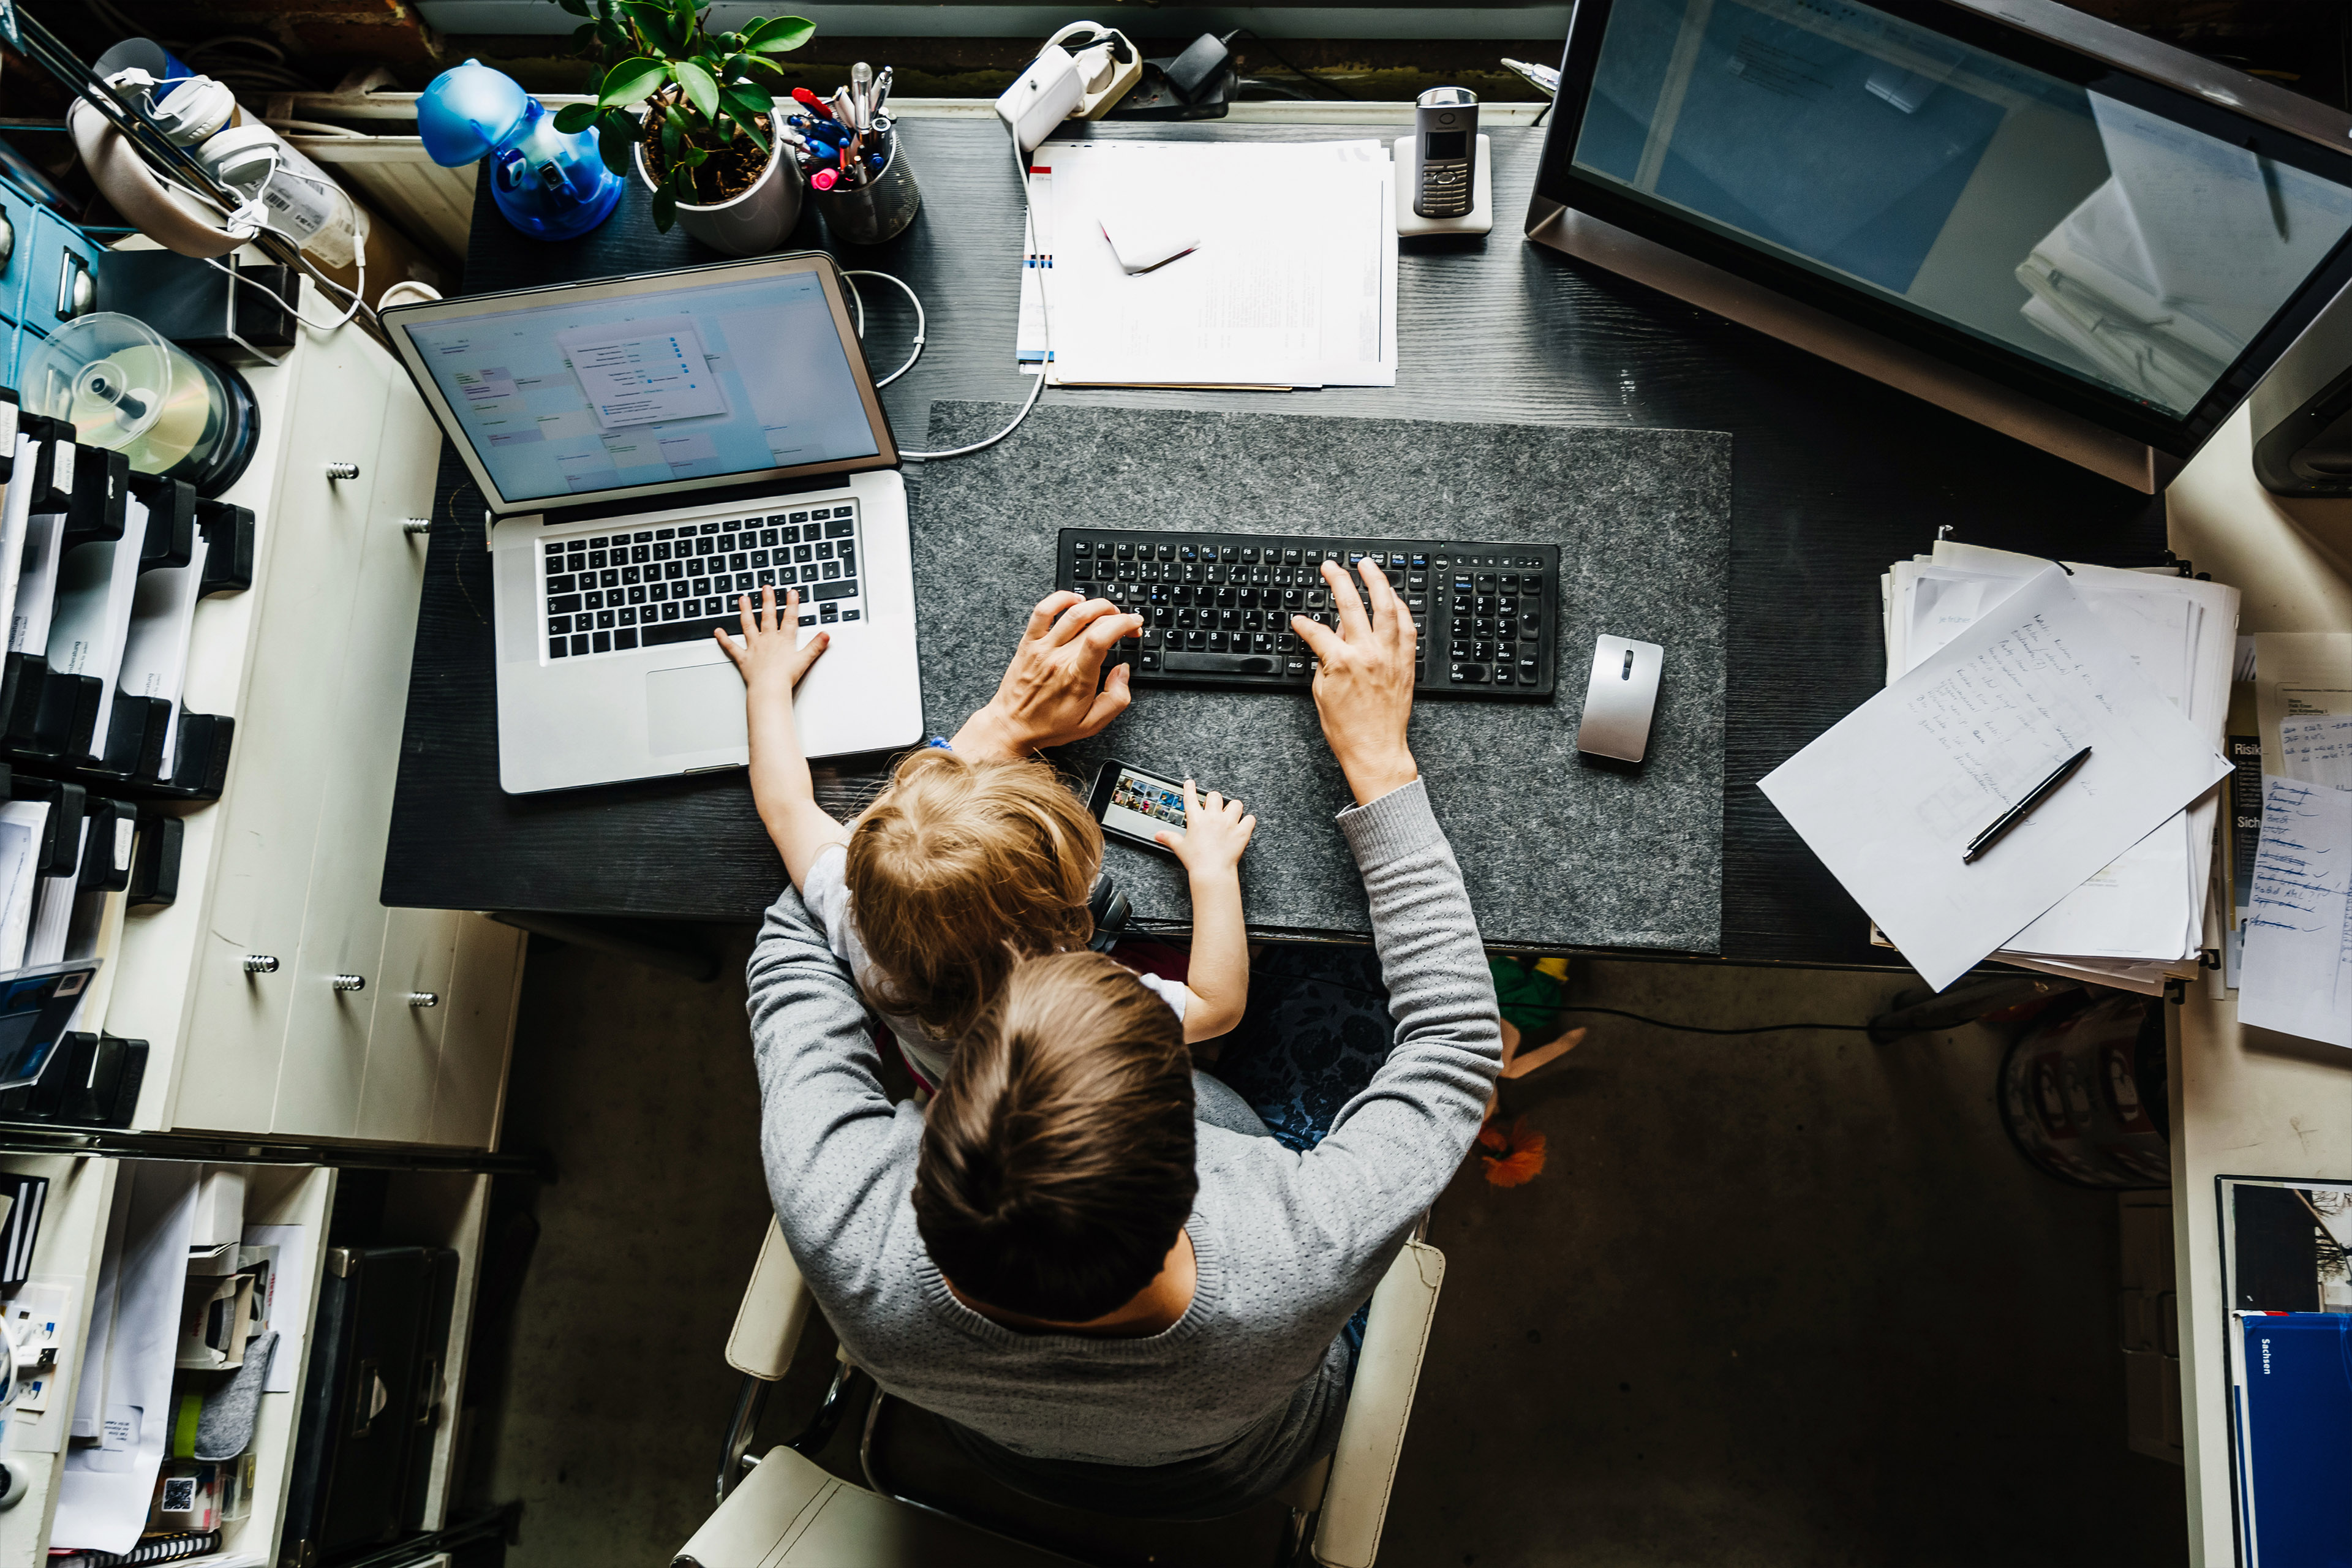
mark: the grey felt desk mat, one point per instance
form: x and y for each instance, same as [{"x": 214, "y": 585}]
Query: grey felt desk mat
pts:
[{"x": 1556, "y": 851}]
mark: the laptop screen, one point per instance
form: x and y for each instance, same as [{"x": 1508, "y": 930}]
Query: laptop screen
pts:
[{"x": 584, "y": 393}]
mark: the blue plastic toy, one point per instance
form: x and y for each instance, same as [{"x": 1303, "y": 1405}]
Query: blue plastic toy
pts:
[{"x": 546, "y": 184}]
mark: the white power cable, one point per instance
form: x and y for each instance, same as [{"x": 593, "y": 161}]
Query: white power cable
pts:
[
  {"x": 1029, "y": 257},
  {"x": 252, "y": 215},
  {"x": 912, "y": 299}
]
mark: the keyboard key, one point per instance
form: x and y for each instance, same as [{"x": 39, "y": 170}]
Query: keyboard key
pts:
[
  {"x": 822, "y": 512},
  {"x": 1469, "y": 675},
  {"x": 827, "y": 613},
  {"x": 628, "y": 617},
  {"x": 1528, "y": 670},
  {"x": 665, "y": 534},
  {"x": 557, "y": 647},
  {"x": 599, "y": 542},
  {"x": 558, "y": 624},
  {"x": 562, "y": 604},
  {"x": 836, "y": 590},
  {"x": 840, "y": 527},
  {"x": 579, "y": 644},
  {"x": 1189, "y": 663},
  {"x": 554, "y": 548},
  {"x": 808, "y": 620},
  {"x": 624, "y": 640},
  {"x": 796, "y": 517},
  {"x": 849, "y": 615},
  {"x": 602, "y": 642}
]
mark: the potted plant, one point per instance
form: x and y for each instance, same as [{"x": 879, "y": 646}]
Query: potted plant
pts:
[{"x": 682, "y": 107}]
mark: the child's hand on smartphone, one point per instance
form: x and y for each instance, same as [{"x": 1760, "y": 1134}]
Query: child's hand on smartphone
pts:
[
  {"x": 1215, "y": 833},
  {"x": 770, "y": 653}
]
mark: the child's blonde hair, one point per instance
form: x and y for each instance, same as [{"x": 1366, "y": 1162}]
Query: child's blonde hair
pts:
[{"x": 961, "y": 870}]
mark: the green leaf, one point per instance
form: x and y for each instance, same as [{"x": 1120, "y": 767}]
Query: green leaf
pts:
[
  {"x": 584, "y": 35},
  {"x": 692, "y": 157},
  {"x": 743, "y": 102},
  {"x": 780, "y": 34},
  {"x": 614, "y": 144},
  {"x": 633, "y": 82},
  {"x": 665, "y": 209},
  {"x": 754, "y": 133},
  {"x": 671, "y": 141},
  {"x": 574, "y": 117},
  {"x": 614, "y": 36},
  {"x": 701, "y": 87}
]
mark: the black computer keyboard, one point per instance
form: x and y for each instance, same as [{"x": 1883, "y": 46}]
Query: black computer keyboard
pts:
[
  {"x": 612, "y": 592},
  {"x": 1217, "y": 607}
]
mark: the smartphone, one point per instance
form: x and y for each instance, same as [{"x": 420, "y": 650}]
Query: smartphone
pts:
[
  {"x": 1446, "y": 123},
  {"x": 1132, "y": 804}
]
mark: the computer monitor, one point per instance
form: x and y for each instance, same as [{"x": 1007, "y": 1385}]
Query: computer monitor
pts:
[{"x": 2052, "y": 225}]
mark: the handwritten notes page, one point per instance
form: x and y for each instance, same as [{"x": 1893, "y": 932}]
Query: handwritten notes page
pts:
[
  {"x": 1891, "y": 795},
  {"x": 2316, "y": 750},
  {"x": 2297, "y": 977}
]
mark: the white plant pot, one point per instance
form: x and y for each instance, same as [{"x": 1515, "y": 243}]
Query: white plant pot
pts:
[{"x": 753, "y": 223}]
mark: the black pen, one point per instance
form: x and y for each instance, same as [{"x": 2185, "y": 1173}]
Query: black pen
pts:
[{"x": 2017, "y": 814}]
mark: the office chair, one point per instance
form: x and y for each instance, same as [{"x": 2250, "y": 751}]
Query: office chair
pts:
[{"x": 780, "y": 1511}]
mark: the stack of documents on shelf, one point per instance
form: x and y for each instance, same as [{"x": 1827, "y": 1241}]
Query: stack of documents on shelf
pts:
[
  {"x": 1897, "y": 797},
  {"x": 2140, "y": 920},
  {"x": 1292, "y": 283}
]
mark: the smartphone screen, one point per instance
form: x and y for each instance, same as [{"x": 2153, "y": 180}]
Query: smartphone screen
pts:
[{"x": 1136, "y": 804}]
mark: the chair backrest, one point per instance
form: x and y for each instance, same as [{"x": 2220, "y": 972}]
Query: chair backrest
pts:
[
  {"x": 790, "y": 1514},
  {"x": 1372, "y": 1434}
]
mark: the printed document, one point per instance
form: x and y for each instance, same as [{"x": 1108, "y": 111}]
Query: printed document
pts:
[
  {"x": 1890, "y": 797},
  {"x": 1292, "y": 284},
  {"x": 2297, "y": 976}
]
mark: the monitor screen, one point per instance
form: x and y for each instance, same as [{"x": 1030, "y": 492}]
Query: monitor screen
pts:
[
  {"x": 2062, "y": 223},
  {"x": 574, "y": 396}
]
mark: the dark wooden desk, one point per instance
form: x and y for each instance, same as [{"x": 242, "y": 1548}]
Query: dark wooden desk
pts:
[{"x": 1834, "y": 476}]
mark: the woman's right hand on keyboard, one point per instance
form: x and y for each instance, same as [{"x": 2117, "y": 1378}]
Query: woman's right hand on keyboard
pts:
[
  {"x": 1049, "y": 696},
  {"x": 1363, "y": 682}
]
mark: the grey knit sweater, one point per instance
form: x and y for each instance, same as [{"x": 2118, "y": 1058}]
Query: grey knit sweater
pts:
[{"x": 1250, "y": 1384}]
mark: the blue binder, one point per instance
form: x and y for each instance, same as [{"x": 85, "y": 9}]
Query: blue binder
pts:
[{"x": 2291, "y": 1389}]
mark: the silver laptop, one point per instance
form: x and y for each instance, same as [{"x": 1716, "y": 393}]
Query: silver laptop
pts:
[{"x": 650, "y": 448}]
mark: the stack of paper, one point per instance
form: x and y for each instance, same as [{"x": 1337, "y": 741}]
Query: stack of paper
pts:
[
  {"x": 2140, "y": 920},
  {"x": 1292, "y": 282},
  {"x": 1893, "y": 796}
]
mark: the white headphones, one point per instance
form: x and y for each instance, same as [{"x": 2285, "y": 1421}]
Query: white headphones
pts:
[{"x": 161, "y": 212}]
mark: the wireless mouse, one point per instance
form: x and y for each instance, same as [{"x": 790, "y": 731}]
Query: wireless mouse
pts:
[{"x": 1620, "y": 698}]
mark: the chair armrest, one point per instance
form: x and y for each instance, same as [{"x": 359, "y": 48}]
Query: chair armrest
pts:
[
  {"x": 775, "y": 1308},
  {"x": 1372, "y": 1434}
]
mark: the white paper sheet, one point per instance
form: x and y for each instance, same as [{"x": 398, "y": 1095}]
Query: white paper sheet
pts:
[
  {"x": 96, "y": 584},
  {"x": 155, "y": 653},
  {"x": 2316, "y": 750},
  {"x": 289, "y": 1289},
  {"x": 2299, "y": 675},
  {"x": 53, "y": 911},
  {"x": 105, "y": 1488},
  {"x": 15, "y": 514},
  {"x": 21, "y": 822},
  {"x": 1892, "y": 794},
  {"x": 2298, "y": 968},
  {"x": 1293, "y": 282},
  {"x": 35, "y": 598}
]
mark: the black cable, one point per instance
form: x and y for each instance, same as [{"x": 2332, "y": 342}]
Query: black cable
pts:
[
  {"x": 1701, "y": 1029},
  {"x": 1328, "y": 86},
  {"x": 1611, "y": 1012}
]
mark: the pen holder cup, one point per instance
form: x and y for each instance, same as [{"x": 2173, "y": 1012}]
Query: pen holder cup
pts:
[{"x": 878, "y": 210}]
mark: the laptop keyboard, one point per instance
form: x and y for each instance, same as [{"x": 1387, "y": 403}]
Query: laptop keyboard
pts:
[
  {"x": 614, "y": 593},
  {"x": 1217, "y": 607}
]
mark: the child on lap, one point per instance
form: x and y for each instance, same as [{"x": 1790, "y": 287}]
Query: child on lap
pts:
[{"x": 961, "y": 868}]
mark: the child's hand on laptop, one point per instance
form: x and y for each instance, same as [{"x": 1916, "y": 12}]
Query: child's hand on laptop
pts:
[
  {"x": 771, "y": 654},
  {"x": 1217, "y": 987},
  {"x": 772, "y": 659}
]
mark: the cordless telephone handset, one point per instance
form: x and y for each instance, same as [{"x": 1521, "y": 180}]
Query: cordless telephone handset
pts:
[{"x": 1446, "y": 133}]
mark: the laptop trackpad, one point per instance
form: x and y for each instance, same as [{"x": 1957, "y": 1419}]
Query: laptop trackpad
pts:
[{"x": 697, "y": 708}]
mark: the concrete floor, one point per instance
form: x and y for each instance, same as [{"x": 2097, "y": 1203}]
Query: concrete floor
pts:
[{"x": 1781, "y": 1299}]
